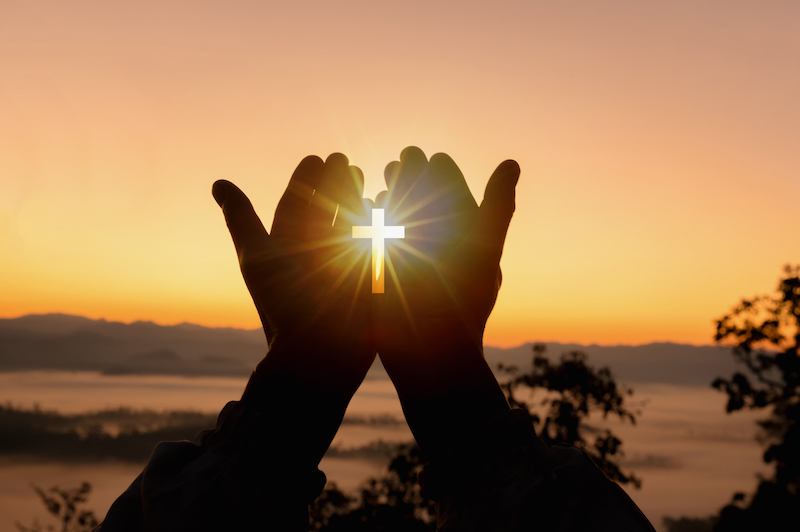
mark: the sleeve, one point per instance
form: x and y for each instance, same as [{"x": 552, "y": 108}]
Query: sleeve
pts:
[
  {"x": 502, "y": 477},
  {"x": 237, "y": 476}
]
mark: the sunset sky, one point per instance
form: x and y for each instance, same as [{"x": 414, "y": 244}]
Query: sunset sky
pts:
[{"x": 658, "y": 143}]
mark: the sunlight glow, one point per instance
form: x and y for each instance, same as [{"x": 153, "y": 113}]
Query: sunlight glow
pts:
[
  {"x": 378, "y": 232},
  {"x": 637, "y": 178}
]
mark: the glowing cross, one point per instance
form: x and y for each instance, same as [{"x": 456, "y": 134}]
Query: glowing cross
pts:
[{"x": 378, "y": 232}]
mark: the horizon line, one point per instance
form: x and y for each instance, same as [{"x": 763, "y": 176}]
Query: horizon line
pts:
[{"x": 528, "y": 342}]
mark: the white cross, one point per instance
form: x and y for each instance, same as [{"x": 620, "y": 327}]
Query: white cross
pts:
[{"x": 378, "y": 232}]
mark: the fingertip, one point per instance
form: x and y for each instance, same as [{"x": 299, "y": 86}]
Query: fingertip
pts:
[
  {"x": 442, "y": 165},
  {"x": 503, "y": 182},
  {"x": 357, "y": 174},
  {"x": 401, "y": 175},
  {"x": 220, "y": 190},
  {"x": 243, "y": 223},
  {"x": 441, "y": 157},
  {"x": 391, "y": 171},
  {"x": 380, "y": 199},
  {"x": 511, "y": 164},
  {"x": 413, "y": 156},
  {"x": 411, "y": 152},
  {"x": 499, "y": 196},
  {"x": 310, "y": 166},
  {"x": 510, "y": 170},
  {"x": 308, "y": 172},
  {"x": 311, "y": 160},
  {"x": 338, "y": 159}
]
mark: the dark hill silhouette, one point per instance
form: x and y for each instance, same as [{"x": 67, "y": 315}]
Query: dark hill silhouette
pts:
[
  {"x": 75, "y": 343},
  {"x": 63, "y": 342},
  {"x": 662, "y": 362}
]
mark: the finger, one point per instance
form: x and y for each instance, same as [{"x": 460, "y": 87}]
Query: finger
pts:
[
  {"x": 381, "y": 199},
  {"x": 495, "y": 212},
  {"x": 322, "y": 210},
  {"x": 289, "y": 221},
  {"x": 412, "y": 161},
  {"x": 401, "y": 179},
  {"x": 351, "y": 202},
  {"x": 247, "y": 231},
  {"x": 390, "y": 174},
  {"x": 454, "y": 206},
  {"x": 449, "y": 179},
  {"x": 430, "y": 206}
]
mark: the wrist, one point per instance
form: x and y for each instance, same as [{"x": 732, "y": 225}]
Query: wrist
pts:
[
  {"x": 444, "y": 391},
  {"x": 303, "y": 387},
  {"x": 313, "y": 362},
  {"x": 428, "y": 336}
]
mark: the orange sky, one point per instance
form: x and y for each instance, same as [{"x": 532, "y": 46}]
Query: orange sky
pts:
[{"x": 658, "y": 146}]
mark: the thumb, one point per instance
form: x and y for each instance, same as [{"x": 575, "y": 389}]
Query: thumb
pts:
[
  {"x": 246, "y": 229},
  {"x": 496, "y": 211}
]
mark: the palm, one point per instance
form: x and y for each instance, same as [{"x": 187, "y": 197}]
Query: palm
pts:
[
  {"x": 309, "y": 283},
  {"x": 441, "y": 286},
  {"x": 444, "y": 276},
  {"x": 306, "y": 275}
]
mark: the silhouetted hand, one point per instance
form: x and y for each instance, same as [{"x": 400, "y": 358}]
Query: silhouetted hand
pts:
[
  {"x": 441, "y": 286},
  {"x": 310, "y": 284}
]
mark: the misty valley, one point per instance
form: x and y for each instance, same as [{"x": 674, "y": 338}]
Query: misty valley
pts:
[{"x": 68, "y": 416}]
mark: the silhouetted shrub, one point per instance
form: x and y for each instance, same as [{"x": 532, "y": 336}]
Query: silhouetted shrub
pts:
[
  {"x": 64, "y": 505},
  {"x": 765, "y": 334},
  {"x": 570, "y": 392}
]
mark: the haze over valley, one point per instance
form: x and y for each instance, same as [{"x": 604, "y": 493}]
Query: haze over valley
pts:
[
  {"x": 88, "y": 399},
  {"x": 74, "y": 343}
]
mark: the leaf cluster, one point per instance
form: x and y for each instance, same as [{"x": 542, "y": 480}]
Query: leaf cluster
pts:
[
  {"x": 53, "y": 436},
  {"x": 764, "y": 332},
  {"x": 573, "y": 391},
  {"x": 64, "y": 505},
  {"x": 393, "y": 502}
]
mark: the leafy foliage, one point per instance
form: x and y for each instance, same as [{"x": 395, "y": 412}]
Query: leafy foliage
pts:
[
  {"x": 84, "y": 437},
  {"x": 573, "y": 391},
  {"x": 127, "y": 434},
  {"x": 64, "y": 505},
  {"x": 393, "y": 502},
  {"x": 765, "y": 334}
]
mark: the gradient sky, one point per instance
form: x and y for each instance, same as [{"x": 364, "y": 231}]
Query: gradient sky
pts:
[{"x": 658, "y": 143}]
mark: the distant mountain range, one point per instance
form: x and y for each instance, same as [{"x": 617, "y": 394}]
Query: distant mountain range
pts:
[{"x": 74, "y": 343}]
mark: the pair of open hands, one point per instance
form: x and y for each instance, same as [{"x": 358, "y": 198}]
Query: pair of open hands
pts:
[{"x": 311, "y": 283}]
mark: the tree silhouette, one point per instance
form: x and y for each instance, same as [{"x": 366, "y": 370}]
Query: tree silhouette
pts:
[
  {"x": 393, "y": 502},
  {"x": 573, "y": 390},
  {"x": 63, "y": 504},
  {"x": 765, "y": 335}
]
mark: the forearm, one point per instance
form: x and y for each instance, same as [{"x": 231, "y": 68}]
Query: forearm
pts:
[
  {"x": 445, "y": 391},
  {"x": 238, "y": 476},
  {"x": 303, "y": 387}
]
